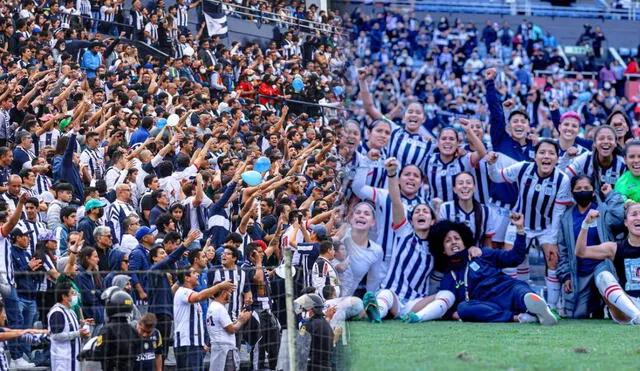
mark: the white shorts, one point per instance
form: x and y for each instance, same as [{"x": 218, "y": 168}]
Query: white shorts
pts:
[
  {"x": 502, "y": 221},
  {"x": 545, "y": 236}
]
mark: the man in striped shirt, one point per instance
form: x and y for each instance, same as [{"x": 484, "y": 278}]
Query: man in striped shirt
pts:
[
  {"x": 93, "y": 156},
  {"x": 118, "y": 211},
  {"x": 30, "y": 225},
  {"x": 230, "y": 272},
  {"x": 189, "y": 327}
]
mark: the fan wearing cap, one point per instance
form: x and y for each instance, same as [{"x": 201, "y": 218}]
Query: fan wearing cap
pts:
[
  {"x": 311, "y": 307},
  {"x": 139, "y": 261},
  {"x": 94, "y": 210}
]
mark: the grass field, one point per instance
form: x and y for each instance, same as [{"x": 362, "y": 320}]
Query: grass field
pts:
[{"x": 445, "y": 345}]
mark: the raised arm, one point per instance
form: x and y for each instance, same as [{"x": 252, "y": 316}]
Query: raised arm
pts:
[
  {"x": 398, "y": 212},
  {"x": 496, "y": 115},
  {"x": 606, "y": 250},
  {"x": 365, "y": 95},
  {"x": 15, "y": 216},
  {"x": 475, "y": 142}
]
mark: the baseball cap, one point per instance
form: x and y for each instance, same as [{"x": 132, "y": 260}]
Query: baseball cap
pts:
[
  {"x": 46, "y": 236},
  {"x": 143, "y": 231},
  {"x": 320, "y": 230},
  {"x": 94, "y": 203},
  {"x": 64, "y": 123},
  {"x": 17, "y": 232}
]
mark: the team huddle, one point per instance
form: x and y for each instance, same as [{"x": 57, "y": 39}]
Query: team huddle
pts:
[{"x": 441, "y": 224}]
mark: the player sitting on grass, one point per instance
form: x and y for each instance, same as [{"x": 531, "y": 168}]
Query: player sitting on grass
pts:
[
  {"x": 624, "y": 305},
  {"x": 406, "y": 286},
  {"x": 476, "y": 288}
]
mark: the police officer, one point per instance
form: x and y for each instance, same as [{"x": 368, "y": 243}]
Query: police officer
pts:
[
  {"x": 315, "y": 323},
  {"x": 118, "y": 344}
]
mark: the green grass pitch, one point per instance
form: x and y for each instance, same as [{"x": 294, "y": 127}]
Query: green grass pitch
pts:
[{"x": 447, "y": 345}]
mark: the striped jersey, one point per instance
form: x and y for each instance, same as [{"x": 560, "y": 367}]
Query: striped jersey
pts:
[
  {"x": 117, "y": 212},
  {"x": 33, "y": 229},
  {"x": 411, "y": 265},
  {"x": 4, "y": 350},
  {"x": 106, "y": 17},
  {"x": 483, "y": 182},
  {"x": 453, "y": 212},
  {"x": 409, "y": 149},
  {"x": 94, "y": 159},
  {"x": 239, "y": 278},
  {"x": 63, "y": 320},
  {"x": 49, "y": 139},
  {"x": 188, "y": 324},
  {"x": 440, "y": 176},
  {"x": 183, "y": 15},
  {"x": 583, "y": 165},
  {"x": 538, "y": 198},
  {"x": 377, "y": 174}
]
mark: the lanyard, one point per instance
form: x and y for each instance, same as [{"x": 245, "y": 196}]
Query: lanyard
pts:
[{"x": 466, "y": 281}]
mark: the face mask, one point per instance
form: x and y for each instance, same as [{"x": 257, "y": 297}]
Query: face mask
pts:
[
  {"x": 203, "y": 70},
  {"x": 250, "y": 78},
  {"x": 583, "y": 198},
  {"x": 74, "y": 300}
]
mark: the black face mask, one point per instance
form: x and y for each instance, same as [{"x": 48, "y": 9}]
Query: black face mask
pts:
[
  {"x": 583, "y": 198},
  {"x": 458, "y": 260}
]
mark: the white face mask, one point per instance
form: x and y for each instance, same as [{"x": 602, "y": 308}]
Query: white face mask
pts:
[
  {"x": 74, "y": 300},
  {"x": 203, "y": 70}
]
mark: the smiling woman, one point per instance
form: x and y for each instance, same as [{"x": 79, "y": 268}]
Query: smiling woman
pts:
[{"x": 629, "y": 183}]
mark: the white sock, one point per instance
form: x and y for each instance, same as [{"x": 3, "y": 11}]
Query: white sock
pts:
[
  {"x": 511, "y": 272},
  {"x": 385, "y": 300},
  {"x": 437, "y": 308},
  {"x": 523, "y": 270},
  {"x": 610, "y": 289},
  {"x": 553, "y": 288}
]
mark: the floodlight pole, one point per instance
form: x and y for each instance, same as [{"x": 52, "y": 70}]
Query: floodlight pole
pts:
[{"x": 291, "y": 319}]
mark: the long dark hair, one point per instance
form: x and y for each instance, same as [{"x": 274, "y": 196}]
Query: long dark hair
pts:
[
  {"x": 595, "y": 165},
  {"x": 628, "y": 135}
]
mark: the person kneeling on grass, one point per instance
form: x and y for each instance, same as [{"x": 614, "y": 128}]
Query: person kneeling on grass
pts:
[
  {"x": 623, "y": 304},
  {"x": 474, "y": 286}
]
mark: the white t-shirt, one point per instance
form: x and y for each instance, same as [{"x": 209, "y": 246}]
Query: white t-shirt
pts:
[{"x": 217, "y": 319}]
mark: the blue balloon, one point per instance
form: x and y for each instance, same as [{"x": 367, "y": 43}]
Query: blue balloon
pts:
[
  {"x": 584, "y": 96},
  {"x": 252, "y": 177},
  {"x": 262, "y": 164},
  {"x": 338, "y": 90},
  {"x": 161, "y": 123},
  {"x": 298, "y": 85}
]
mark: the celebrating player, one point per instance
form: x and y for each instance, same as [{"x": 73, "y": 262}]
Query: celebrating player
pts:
[{"x": 543, "y": 194}]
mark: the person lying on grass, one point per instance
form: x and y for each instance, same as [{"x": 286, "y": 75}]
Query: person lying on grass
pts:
[{"x": 476, "y": 289}]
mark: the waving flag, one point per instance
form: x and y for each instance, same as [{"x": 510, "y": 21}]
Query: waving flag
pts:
[{"x": 215, "y": 18}]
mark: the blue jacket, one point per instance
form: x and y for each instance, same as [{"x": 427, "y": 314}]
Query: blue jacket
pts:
[
  {"x": 69, "y": 172},
  {"x": 485, "y": 282},
  {"x": 91, "y": 302},
  {"x": 20, "y": 156},
  {"x": 217, "y": 233},
  {"x": 502, "y": 142},
  {"x": 115, "y": 261},
  {"x": 139, "y": 261},
  {"x": 86, "y": 226},
  {"x": 26, "y": 283},
  {"x": 90, "y": 63},
  {"x": 160, "y": 295}
]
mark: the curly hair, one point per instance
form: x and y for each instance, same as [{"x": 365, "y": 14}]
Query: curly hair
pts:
[{"x": 437, "y": 235}]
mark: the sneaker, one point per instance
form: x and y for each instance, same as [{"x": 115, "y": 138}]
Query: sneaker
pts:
[
  {"x": 411, "y": 318},
  {"x": 536, "y": 305},
  {"x": 527, "y": 318},
  {"x": 21, "y": 363},
  {"x": 371, "y": 307}
]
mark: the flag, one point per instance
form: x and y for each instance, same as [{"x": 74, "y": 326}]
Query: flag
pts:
[{"x": 215, "y": 18}]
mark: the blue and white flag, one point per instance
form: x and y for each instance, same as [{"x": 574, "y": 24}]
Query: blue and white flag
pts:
[{"x": 215, "y": 18}]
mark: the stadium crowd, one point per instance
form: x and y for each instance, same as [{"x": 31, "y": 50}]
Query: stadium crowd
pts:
[{"x": 152, "y": 181}]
